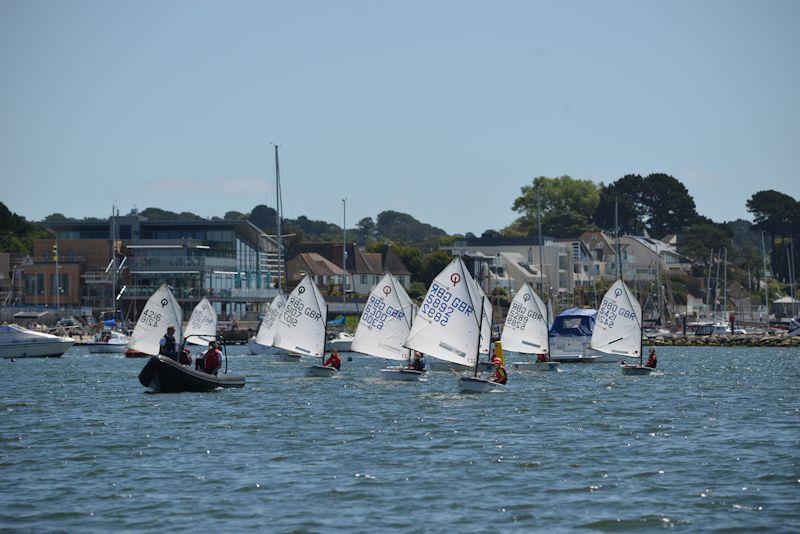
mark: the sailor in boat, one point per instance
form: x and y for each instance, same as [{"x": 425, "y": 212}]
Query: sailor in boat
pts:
[
  {"x": 333, "y": 360},
  {"x": 212, "y": 361},
  {"x": 652, "y": 361},
  {"x": 500, "y": 375},
  {"x": 168, "y": 346},
  {"x": 417, "y": 364},
  {"x": 542, "y": 358}
]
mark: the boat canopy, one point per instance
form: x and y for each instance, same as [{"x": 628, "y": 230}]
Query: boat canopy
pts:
[{"x": 574, "y": 322}]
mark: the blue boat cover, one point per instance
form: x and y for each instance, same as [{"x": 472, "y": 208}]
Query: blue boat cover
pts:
[
  {"x": 574, "y": 322},
  {"x": 339, "y": 320},
  {"x": 110, "y": 323}
]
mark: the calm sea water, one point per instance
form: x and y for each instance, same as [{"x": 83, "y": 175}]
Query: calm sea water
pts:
[{"x": 711, "y": 441}]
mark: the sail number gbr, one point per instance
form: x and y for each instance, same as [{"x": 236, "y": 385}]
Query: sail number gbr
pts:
[
  {"x": 295, "y": 308},
  {"x": 609, "y": 312},
  {"x": 518, "y": 316},
  {"x": 377, "y": 312},
  {"x": 440, "y": 305}
]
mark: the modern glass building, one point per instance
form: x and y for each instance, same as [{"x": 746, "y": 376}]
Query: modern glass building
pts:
[{"x": 233, "y": 263}]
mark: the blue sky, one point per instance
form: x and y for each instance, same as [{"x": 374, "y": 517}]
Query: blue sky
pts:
[{"x": 439, "y": 109}]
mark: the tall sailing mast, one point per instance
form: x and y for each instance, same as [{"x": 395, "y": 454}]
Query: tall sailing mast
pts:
[
  {"x": 344, "y": 260},
  {"x": 541, "y": 260},
  {"x": 278, "y": 218}
]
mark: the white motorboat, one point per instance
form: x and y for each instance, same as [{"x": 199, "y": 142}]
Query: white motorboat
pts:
[
  {"x": 571, "y": 337},
  {"x": 108, "y": 342},
  {"x": 18, "y": 342},
  {"x": 342, "y": 342}
]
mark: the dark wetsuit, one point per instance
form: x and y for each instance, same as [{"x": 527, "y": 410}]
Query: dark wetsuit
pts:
[
  {"x": 169, "y": 348},
  {"x": 418, "y": 365}
]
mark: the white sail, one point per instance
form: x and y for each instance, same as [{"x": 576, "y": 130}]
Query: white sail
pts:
[
  {"x": 525, "y": 330},
  {"x": 486, "y": 326},
  {"x": 446, "y": 325},
  {"x": 618, "y": 329},
  {"x": 202, "y": 323},
  {"x": 266, "y": 332},
  {"x": 386, "y": 321},
  {"x": 551, "y": 316},
  {"x": 301, "y": 326},
  {"x": 161, "y": 311}
]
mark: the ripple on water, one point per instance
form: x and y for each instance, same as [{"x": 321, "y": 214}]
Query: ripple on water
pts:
[{"x": 83, "y": 447}]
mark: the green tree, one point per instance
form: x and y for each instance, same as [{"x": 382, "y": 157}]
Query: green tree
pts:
[
  {"x": 658, "y": 204},
  {"x": 563, "y": 199},
  {"x": 403, "y": 228},
  {"x": 264, "y": 218},
  {"x": 366, "y": 231},
  {"x": 698, "y": 239}
]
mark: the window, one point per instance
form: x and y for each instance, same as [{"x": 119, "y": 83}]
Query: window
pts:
[
  {"x": 34, "y": 284},
  {"x": 363, "y": 278},
  {"x": 64, "y": 284}
]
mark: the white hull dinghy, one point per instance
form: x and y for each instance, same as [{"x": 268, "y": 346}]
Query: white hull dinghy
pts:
[
  {"x": 300, "y": 328},
  {"x": 320, "y": 371},
  {"x": 383, "y": 328},
  {"x": 470, "y": 384},
  {"x": 453, "y": 323},
  {"x": 635, "y": 370},
  {"x": 108, "y": 342},
  {"x": 399, "y": 374}
]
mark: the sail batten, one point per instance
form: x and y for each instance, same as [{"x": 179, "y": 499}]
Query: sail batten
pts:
[
  {"x": 618, "y": 326},
  {"x": 526, "y": 330}
]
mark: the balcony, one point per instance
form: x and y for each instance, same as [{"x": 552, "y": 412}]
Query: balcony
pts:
[{"x": 246, "y": 294}]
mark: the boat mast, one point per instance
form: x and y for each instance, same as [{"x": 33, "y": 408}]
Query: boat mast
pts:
[
  {"x": 725, "y": 316},
  {"x": 541, "y": 261},
  {"x": 344, "y": 260},
  {"x": 278, "y": 210},
  {"x": 766, "y": 280},
  {"x": 478, "y": 349}
]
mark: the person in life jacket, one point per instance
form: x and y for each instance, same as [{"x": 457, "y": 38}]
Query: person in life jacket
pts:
[
  {"x": 652, "y": 361},
  {"x": 500, "y": 375},
  {"x": 542, "y": 358},
  {"x": 167, "y": 346},
  {"x": 212, "y": 359},
  {"x": 417, "y": 364},
  {"x": 333, "y": 360}
]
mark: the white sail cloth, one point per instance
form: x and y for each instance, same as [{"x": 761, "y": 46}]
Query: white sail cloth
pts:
[
  {"x": 202, "y": 327},
  {"x": 526, "y": 330},
  {"x": 160, "y": 312},
  {"x": 446, "y": 326},
  {"x": 386, "y": 320},
  {"x": 301, "y": 326},
  {"x": 266, "y": 332},
  {"x": 618, "y": 327}
]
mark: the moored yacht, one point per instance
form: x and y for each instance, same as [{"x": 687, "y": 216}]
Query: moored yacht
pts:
[
  {"x": 571, "y": 337},
  {"x": 18, "y": 342}
]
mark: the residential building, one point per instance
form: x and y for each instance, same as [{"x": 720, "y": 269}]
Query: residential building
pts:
[{"x": 365, "y": 269}]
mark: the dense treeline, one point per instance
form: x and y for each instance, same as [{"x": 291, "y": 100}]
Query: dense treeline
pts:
[{"x": 656, "y": 205}]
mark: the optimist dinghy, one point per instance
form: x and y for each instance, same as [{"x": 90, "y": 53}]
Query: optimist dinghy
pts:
[{"x": 383, "y": 328}]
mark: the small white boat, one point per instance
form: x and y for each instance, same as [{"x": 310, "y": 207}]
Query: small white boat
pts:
[
  {"x": 108, "y": 342},
  {"x": 635, "y": 370},
  {"x": 342, "y": 342},
  {"x": 18, "y": 342},
  {"x": 401, "y": 374},
  {"x": 300, "y": 329},
  {"x": 453, "y": 323},
  {"x": 471, "y": 384},
  {"x": 320, "y": 371}
]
